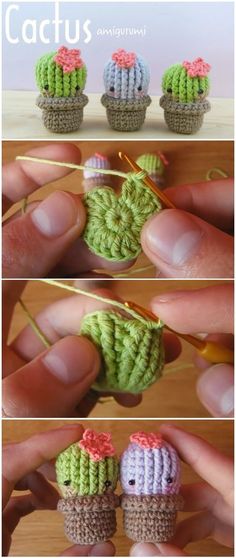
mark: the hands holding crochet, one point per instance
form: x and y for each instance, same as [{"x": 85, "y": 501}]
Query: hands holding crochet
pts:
[
  {"x": 191, "y": 241},
  {"x": 25, "y": 468},
  {"x": 212, "y": 499},
  {"x": 57, "y": 382}
]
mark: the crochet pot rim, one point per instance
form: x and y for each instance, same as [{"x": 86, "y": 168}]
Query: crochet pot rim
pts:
[
  {"x": 96, "y": 502},
  {"x": 125, "y": 105},
  {"x": 154, "y": 502},
  {"x": 62, "y": 103},
  {"x": 194, "y": 108}
]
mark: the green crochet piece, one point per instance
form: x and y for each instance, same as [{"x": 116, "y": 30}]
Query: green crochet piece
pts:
[
  {"x": 132, "y": 351},
  {"x": 177, "y": 83},
  {"x": 114, "y": 223},
  {"x": 52, "y": 81},
  {"x": 151, "y": 163},
  {"x": 78, "y": 475}
]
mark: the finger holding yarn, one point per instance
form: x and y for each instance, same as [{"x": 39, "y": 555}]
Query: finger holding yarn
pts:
[
  {"x": 61, "y": 78},
  {"x": 93, "y": 179},
  {"x": 114, "y": 223},
  {"x": 154, "y": 164},
  {"x": 126, "y": 79},
  {"x": 87, "y": 474},
  {"x": 150, "y": 479},
  {"x": 185, "y": 87}
]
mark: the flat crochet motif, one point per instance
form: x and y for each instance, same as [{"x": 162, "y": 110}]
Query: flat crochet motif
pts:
[
  {"x": 132, "y": 352},
  {"x": 114, "y": 223}
]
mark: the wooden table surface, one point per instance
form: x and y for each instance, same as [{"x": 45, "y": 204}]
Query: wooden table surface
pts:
[
  {"x": 22, "y": 119},
  {"x": 189, "y": 162},
  {"x": 172, "y": 396},
  {"x": 41, "y": 533}
]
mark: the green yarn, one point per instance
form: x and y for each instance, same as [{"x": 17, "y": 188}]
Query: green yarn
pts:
[
  {"x": 114, "y": 223},
  {"x": 177, "y": 83},
  {"x": 151, "y": 163},
  {"x": 53, "y": 82},
  {"x": 132, "y": 352},
  {"x": 83, "y": 476}
]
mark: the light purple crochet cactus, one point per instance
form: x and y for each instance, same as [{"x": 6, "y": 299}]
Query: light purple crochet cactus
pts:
[
  {"x": 149, "y": 466},
  {"x": 97, "y": 161},
  {"x": 126, "y": 76}
]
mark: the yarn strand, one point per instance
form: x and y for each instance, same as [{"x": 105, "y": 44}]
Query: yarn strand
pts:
[{"x": 34, "y": 325}]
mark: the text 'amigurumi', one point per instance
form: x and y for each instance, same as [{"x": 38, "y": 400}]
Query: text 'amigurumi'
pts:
[
  {"x": 126, "y": 80},
  {"x": 61, "y": 78},
  {"x": 87, "y": 474},
  {"x": 185, "y": 87},
  {"x": 150, "y": 478}
]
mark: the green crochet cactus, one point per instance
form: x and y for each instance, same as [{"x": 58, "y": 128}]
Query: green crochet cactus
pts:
[
  {"x": 55, "y": 80},
  {"x": 183, "y": 87},
  {"x": 78, "y": 474}
]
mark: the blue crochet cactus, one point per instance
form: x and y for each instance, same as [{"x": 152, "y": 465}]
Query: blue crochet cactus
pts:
[{"x": 126, "y": 76}]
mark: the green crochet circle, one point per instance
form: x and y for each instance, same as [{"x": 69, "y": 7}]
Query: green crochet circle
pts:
[
  {"x": 114, "y": 223},
  {"x": 132, "y": 352}
]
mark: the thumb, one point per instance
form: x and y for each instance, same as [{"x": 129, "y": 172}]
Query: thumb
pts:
[
  {"x": 215, "y": 389},
  {"x": 53, "y": 383},
  {"x": 157, "y": 549},
  {"x": 35, "y": 242},
  {"x": 183, "y": 245}
]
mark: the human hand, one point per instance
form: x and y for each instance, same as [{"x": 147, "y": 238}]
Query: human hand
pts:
[
  {"x": 195, "y": 239},
  {"x": 209, "y": 310},
  {"x": 46, "y": 240},
  {"x": 56, "y": 382},
  {"x": 212, "y": 499},
  {"x": 20, "y": 468}
]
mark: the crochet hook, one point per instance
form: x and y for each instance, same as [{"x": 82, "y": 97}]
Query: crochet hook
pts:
[
  {"x": 147, "y": 180},
  {"x": 209, "y": 350}
]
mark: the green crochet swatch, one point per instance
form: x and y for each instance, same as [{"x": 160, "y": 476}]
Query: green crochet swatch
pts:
[
  {"x": 114, "y": 223},
  {"x": 132, "y": 351},
  {"x": 82, "y": 476}
]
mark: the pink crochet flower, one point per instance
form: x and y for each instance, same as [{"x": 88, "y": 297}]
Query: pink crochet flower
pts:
[
  {"x": 163, "y": 158},
  {"x": 68, "y": 59},
  {"x": 197, "y": 68},
  {"x": 147, "y": 440},
  {"x": 97, "y": 445},
  {"x": 124, "y": 59}
]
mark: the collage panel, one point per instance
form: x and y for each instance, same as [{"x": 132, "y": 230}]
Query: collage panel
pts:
[{"x": 80, "y": 461}]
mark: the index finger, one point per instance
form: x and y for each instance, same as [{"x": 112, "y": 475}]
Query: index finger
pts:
[
  {"x": 21, "y": 178},
  {"x": 211, "y": 465},
  {"x": 22, "y": 458}
]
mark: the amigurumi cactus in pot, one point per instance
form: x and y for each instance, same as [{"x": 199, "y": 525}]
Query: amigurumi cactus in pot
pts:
[
  {"x": 61, "y": 78},
  {"x": 185, "y": 87},
  {"x": 93, "y": 179},
  {"x": 150, "y": 478},
  {"x": 126, "y": 80},
  {"x": 87, "y": 474},
  {"x": 154, "y": 164}
]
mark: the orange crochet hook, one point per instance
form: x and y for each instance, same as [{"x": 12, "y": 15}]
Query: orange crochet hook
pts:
[
  {"x": 210, "y": 350},
  {"x": 147, "y": 181}
]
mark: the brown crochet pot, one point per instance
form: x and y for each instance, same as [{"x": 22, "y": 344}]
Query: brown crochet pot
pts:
[
  {"x": 89, "y": 519},
  {"x": 62, "y": 114},
  {"x": 150, "y": 518},
  {"x": 123, "y": 115},
  {"x": 184, "y": 118}
]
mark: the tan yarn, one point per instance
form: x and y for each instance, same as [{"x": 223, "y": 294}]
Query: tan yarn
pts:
[
  {"x": 89, "y": 520},
  {"x": 62, "y": 114},
  {"x": 150, "y": 518},
  {"x": 126, "y": 115},
  {"x": 184, "y": 118}
]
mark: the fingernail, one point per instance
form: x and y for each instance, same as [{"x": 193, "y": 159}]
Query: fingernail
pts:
[
  {"x": 173, "y": 236},
  {"x": 168, "y": 297},
  {"x": 55, "y": 215},
  {"x": 144, "y": 549},
  {"x": 72, "y": 360},
  {"x": 102, "y": 549},
  {"x": 216, "y": 390}
]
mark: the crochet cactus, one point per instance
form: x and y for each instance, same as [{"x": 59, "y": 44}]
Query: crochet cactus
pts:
[
  {"x": 185, "y": 87},
  {"x": 61, "y": 78},
  {"x": 126, "y": 79},
  {"x": 150, "y": 478},
  {"x": 87, "y": 474},
  {"x": 154, "y": 164},
  {"x": 93, "y": 179}
]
